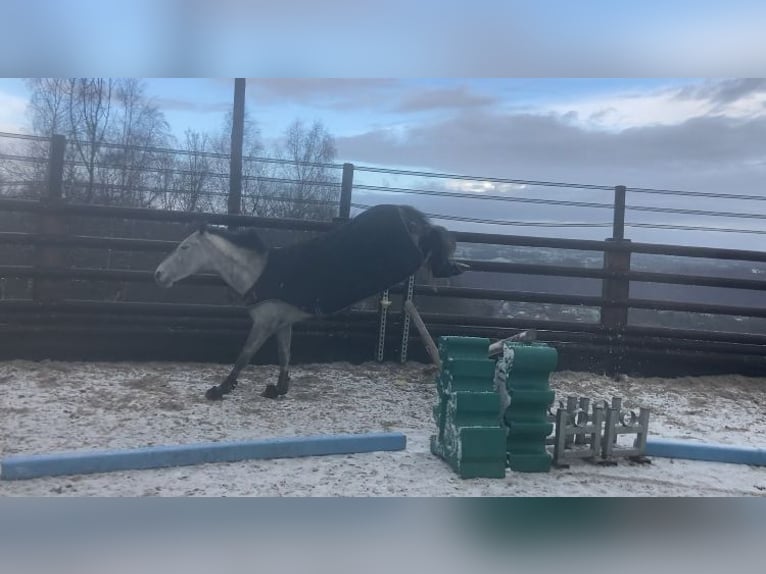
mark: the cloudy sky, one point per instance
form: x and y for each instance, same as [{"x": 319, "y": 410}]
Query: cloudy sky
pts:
[{"x": 701, "y": 135}]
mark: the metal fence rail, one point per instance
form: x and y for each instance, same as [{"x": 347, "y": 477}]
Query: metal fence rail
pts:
[{"x": 61, "y": 315}]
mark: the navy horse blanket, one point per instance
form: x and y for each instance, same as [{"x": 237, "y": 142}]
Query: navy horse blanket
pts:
[{"x": 362, "y": 257}]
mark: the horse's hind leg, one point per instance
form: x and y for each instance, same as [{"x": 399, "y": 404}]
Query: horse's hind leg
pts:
[
  {"x": 440, "y": 247},
  {"x": 446, "y": 268},
  {"x": 268, "y": 318},
  {"x": 284, "y": 337}
]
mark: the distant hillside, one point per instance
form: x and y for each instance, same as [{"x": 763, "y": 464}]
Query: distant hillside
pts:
[{"x": 640, "y": 290}]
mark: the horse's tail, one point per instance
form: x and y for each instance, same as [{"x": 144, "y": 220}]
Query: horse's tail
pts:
[{"x": 438, "y": 245}]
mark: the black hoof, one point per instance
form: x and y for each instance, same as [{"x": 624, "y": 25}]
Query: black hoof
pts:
[
  {"x": 270, "y": 392},
  {"x": 214, "y": 393},
  {"x": 283, "y": 384}
]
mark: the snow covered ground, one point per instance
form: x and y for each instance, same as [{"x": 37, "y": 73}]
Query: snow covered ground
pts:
[{"x": 54, "y": 406}]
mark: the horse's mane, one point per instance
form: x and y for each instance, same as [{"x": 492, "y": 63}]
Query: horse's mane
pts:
[{"x": 246, "y": 237}]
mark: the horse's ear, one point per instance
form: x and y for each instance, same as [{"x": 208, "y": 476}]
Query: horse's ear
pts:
[{"x": 202, "y": 226}]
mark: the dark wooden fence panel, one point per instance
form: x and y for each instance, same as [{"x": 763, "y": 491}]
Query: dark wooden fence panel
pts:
[{"x": 92, "y": 271}]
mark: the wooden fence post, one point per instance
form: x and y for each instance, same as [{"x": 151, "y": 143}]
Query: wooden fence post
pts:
[
  {"x": 618, "y": 224},
  {"x": 49, "y": 222},
  {"x": 237, "y": 138},
  {"x": 346, "y": 187},
  {"x": 616, "y": 287}
]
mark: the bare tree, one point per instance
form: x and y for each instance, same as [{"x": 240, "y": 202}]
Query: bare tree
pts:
[
  {"x": 115, "y": 134},
  {"x": 138, "y": 129},
  {"x": 253, "y": 187},
  {"x": 47, "y": 115},
  {"x": 89, "y": 107},
  {"x": 48, "y": 105},
  {"x": 309, "y": 187},
  {"x": 92, "y": 112},
  {"x": 193, "y": 188},
  {"x": 22, "y": 166}
]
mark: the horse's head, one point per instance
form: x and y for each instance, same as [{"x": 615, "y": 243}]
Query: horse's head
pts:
[{"x": 188, "y": 258}]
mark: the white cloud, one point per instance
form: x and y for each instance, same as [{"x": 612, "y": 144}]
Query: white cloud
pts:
[
  {"x": 629, "y": 111},
  {"x": 12, "y": 110},
  {"x": 662, "y": 107},
  {"x": 752, "y": 105},
  {"x": 481, "y": 186},
  {"x": 709, "y": 153}
]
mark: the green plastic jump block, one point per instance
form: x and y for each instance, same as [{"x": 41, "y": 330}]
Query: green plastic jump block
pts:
[
  {"x": 534, "y": 430},
  {"x": 482, "y": 453},
  {"x": 468, "y": 368},
  {"x": 463, "y": 347},
  {"x": 532, "y": 362},
  {"x": 467, "y": 375},
  {"x": 466, "y": 409},
  {"x": 439, "y": 411},
  {"x": 480, "y": 469},
  {"x": 475, "y": 409},
  {"x": 481, "y": 443},
  {"x": 530, "y": 462},
  {"x": 526, "y": 368},
  {"x": 478, "y": 452},
  {"x": 531, "y": 398},
  {"x": 463, "y": 443},
  {"x": 447, "y": 385},
  {"x": 471, "y": 437}
]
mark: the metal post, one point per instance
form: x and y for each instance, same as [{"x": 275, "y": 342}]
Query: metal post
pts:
[
  {"x": 49, "y": 223},
  {"x": 616, "y": 287},
  {"x": 346, "y": 187},
  {"x": 237, "y": 142},
  {"x": 406, "y": 319},
  {"x": 385, "y": 302},
  {"x": 618, "y": 225}
]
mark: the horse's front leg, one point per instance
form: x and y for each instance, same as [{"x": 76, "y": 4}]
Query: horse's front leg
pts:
[
  {"x": 255, "y": 339},
  {"x": 284, "y": 338}
]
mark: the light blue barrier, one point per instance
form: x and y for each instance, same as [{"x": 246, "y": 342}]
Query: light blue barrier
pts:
[
  {"x": 702, "y": 451},
  {"x": 20, "y": 467}
]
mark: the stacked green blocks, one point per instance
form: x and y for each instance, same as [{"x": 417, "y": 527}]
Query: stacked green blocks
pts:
[
  {"x": 524, "y": 369},
  {"x": 471, "y": 437}
]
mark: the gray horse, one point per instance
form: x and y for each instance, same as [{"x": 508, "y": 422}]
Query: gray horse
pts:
[{"x": 317, "y": 277}]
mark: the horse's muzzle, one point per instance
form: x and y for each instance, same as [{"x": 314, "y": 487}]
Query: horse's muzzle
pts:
[{"x": 161, "y": 279}]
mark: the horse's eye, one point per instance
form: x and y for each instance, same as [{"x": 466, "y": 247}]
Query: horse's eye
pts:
[{"x": 184, "y": 247}]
